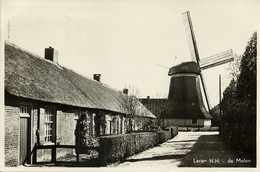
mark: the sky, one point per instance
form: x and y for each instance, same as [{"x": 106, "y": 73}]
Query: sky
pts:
[{"x": 126, "y": 40}]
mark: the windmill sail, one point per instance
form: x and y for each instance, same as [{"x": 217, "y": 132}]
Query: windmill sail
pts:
[
  {"x": 193, "y": 48},
  {"x": 218, "y": 59},
  {"x": 205, "y": 91},
  {"x": 190, "y": 37}
]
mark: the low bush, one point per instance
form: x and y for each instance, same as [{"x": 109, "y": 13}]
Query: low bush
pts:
[
  {"x": 193, "y": 129},
  {"x": 163, "y": 136},
  {"x": 172, "y": 131},
  {"x": 118, "y": 147},
  {"x": 214, "y": 129}
]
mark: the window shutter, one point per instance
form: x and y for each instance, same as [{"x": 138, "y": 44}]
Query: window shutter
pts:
[{"x": 42, "y": 127}]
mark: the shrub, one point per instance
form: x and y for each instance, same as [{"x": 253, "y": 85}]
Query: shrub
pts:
[
  {"x": 214, "y": 129},
  {"x": 162, "y": 136},
  {"x": 172, "y": 131},
  {"x": 238, "y": 121},
  {"x": 118, "y": 147}
]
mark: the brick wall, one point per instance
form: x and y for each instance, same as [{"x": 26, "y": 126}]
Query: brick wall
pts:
[
  {"x": 11, "y": 135},
  {"x": 44, "y": 155},
  {"x": 34, "y": 116}
]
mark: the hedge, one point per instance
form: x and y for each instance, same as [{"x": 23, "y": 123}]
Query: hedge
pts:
[
  {"x": 163, "y": 136},
  {"x": 171, "y": 132},
  {"x": 174, "y": 131},
  {"x": 239, "y": 128},
  {"x": 118, "y": 147}
]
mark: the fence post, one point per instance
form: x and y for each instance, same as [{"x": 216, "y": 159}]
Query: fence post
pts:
[
  {"x": 77, "y": 157},
  {"x": 35, "y": 154},
  {"x": 53, "y": 154}
]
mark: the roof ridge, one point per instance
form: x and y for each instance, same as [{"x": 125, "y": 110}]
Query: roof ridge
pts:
[
  {"x": 58, "y": 65},
  {"x": 33, "y": 54},
  {"x": 87, "y": 77},
  {"x": 154, "y": 98},
  {"x": 22, "y": 49}
]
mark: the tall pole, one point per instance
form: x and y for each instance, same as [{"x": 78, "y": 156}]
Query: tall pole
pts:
[
  {"x": 175, "y": 60},
  {"x": 8, "y": 29},
  {"x": 219, "y": 94}
]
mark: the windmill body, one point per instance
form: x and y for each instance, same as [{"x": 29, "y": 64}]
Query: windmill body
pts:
[
  {"x": 185, "y": 98},
  {"x": 185, "y": 93}
]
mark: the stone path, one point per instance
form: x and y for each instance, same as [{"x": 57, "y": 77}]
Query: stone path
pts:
[{"x": 187, "y": 149}]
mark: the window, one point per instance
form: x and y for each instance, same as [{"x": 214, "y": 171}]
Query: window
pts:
[
  {"x": 24, "y": 111},
  {"x": 48, "y": 124}
]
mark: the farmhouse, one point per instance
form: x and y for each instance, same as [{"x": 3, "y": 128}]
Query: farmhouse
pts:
[{"x": 44, "y": 100}]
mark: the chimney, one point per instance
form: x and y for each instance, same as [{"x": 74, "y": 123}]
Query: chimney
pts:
[
  {"x": 97, "y": 77},
  {"x": 51, "y": 54},
  {"x": 148, "y": 97},
  {"x": 125, "y": 91}
]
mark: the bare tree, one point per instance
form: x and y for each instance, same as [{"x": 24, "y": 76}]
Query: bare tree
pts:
[
  {"x": 233, "y": 67},
  {"x": 133, "y": 108},
  {"x": 160, "y": 107}
]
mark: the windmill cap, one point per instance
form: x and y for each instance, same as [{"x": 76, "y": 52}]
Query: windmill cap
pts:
[{"x": 185, "y": 67}]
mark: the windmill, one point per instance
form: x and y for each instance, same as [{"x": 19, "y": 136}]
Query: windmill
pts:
[
  {"x": 185, "y": 94},
  {"x": 209, "y": 62}
]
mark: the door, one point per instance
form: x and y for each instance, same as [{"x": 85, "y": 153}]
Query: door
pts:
[{"x": 24, "y": 135}]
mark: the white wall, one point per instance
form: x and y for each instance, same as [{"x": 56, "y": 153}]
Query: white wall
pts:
[{"x": 186, "y": 122}]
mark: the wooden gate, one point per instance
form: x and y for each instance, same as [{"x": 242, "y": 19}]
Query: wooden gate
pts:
[{"x": 24, "y": 135}]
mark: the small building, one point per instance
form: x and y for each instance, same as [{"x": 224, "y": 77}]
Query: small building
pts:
[
  {"x": 163, "y": 110},
  {"x": 44, "y": 100},
  {"x": 159, "y": 107}
]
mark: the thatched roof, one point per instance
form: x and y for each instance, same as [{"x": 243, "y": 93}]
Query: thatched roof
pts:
[{"x": 30, "y": 76}]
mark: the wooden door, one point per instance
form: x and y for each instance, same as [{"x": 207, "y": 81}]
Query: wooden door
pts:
[{"x": 25, "y": 140}]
